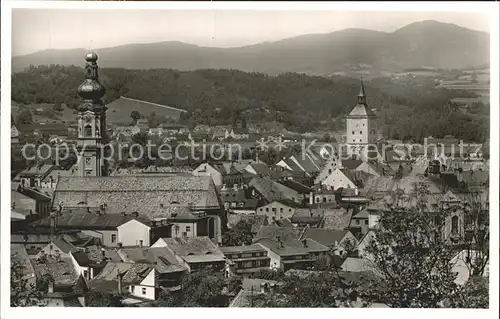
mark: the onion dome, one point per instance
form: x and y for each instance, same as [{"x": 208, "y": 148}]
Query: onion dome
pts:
[
  {"x": 91, "y": 89},
  {"x": 91, "y": 57}
]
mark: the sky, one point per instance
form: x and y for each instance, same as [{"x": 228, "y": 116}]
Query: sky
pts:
[{"x": 40, "y": 29}]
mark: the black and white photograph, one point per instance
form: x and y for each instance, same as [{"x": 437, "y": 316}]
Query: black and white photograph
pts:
[{"x": 235, "y": 158}]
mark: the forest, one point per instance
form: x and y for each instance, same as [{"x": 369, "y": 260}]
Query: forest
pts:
[{"x": 407, "y": 110}]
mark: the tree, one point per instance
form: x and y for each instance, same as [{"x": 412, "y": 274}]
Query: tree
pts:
[
  {"x": 25, "y": 117},
  {"x": 135, "y": 115},
  {"x": 98, "y": 299},
  {"x": 199, "y": 289},
  {"x": 412, "y": 256},
  {"x": 140, "y": 138},
  {"x": 240, "y": 234},
  {"x": 326, "y": 138},
  {"x": 58, "y": 107},
  {"x": 22, "y": 292}
]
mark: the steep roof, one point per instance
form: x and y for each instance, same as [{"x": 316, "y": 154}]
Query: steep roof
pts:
[
  {"x": 337, "y": 219},
  {"x": 107, "y": 279},
  {"x": 61, "y": 270},
  {"x": 80, "y": 220},
  {"x": 37, "y": 170},
  {"x": 326, "y": 237},
  {"x": 291, "y": 247},
  {"x": 137, "y": 193},
  {"x": 163, "y": 259},
  {"x": 64, "y": 245},
  {"x": 192, "y": 246},
  {"x": 241, "y": 249},
  {"x": 351, "y": 163},
  {"x": 256, "y": 220},
  {"x": 271, "y": 190},
  {"x": 306, "y": 215},
  {"x": 297, "y": 186},
  {"x": 271, "y": 232}
]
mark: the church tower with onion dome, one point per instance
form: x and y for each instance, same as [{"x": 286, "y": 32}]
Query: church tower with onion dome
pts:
[{"x": 91, "y": 122}]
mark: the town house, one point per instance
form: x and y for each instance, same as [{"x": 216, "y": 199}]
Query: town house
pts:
[{"x": 245, "y": 260}]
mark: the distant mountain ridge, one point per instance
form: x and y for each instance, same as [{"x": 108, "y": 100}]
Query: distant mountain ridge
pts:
[{"x": 426, "y": 43}]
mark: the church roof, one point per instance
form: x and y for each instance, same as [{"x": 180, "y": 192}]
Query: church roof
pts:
[
  {"x": 361, "y": 109},
  {"x": 140, "y": 193}
]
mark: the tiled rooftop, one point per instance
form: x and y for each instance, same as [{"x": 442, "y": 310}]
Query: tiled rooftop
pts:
[
  {"x": 145, "y": 194},
  {"x": 192, "y": 246}
]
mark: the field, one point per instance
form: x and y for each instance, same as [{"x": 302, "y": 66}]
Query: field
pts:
[{"x": 118, "y": 111}]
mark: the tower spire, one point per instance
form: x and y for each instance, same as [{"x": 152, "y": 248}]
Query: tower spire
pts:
[
  {"x": 91, "y": 122},
  {"x": 362, "y": 94}
]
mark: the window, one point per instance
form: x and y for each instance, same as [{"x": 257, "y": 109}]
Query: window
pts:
[
  {"x": 357, "y": 221},
  {"x": 366, "y": 221},
  {"x": 188, "y": 228},
  {"x": 267, "y": 209},
  {"x": 281, "y": 210},
  {"x": 113, "y": 238},
  {"x": 85, "y": 274},
  {"x": 330, "y": 171},
  {"x": 87, "y": 131},
  {"x": 289, "y": 209},
  {"x": 454, "y": 225},
  {"x": 360, "y": 132},
  {"x": 143, "y": 291}
]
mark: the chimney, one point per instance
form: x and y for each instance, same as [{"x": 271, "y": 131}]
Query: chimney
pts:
[
  {"x": 311, "y": 198},
  {"x": 103, "y": 210},
  {"x": 304, "y": 242},
  {"x": 51, "y": 286},
  {"x": 120, "y": 245},
  {"x": 103, "y": 254}
]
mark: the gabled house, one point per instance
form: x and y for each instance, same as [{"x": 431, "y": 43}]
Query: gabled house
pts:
[
  {"x": 125, "y": 278},
  {"x": 59, "y": 247},
  {"x": 278, "y": 209},
  {"x": 269, "y": 190},
  {"x": 331, "y": 164},
  {"x": 169, "y": 271},
  {"x": 93, "y": 223},
  {"x": 245, "y": 260},
  {"x": 194, "y": 253},
  {"x": 359, "y": 223},
  {"x": 307, "y": 217},
  {"x": 237, "y": 133},
  {"x": 375, "y": 168},
  {"x": 340, "y": 178},
  {"x": 33, "y": 176},
  {"x": 337, "y": 241},
  {"x": 289, "y": 252}
]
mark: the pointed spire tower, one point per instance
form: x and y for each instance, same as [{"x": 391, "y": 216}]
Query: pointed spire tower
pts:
[
  {"x": 361, "y": 122},
  {"x": 91, "y": 122}
]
